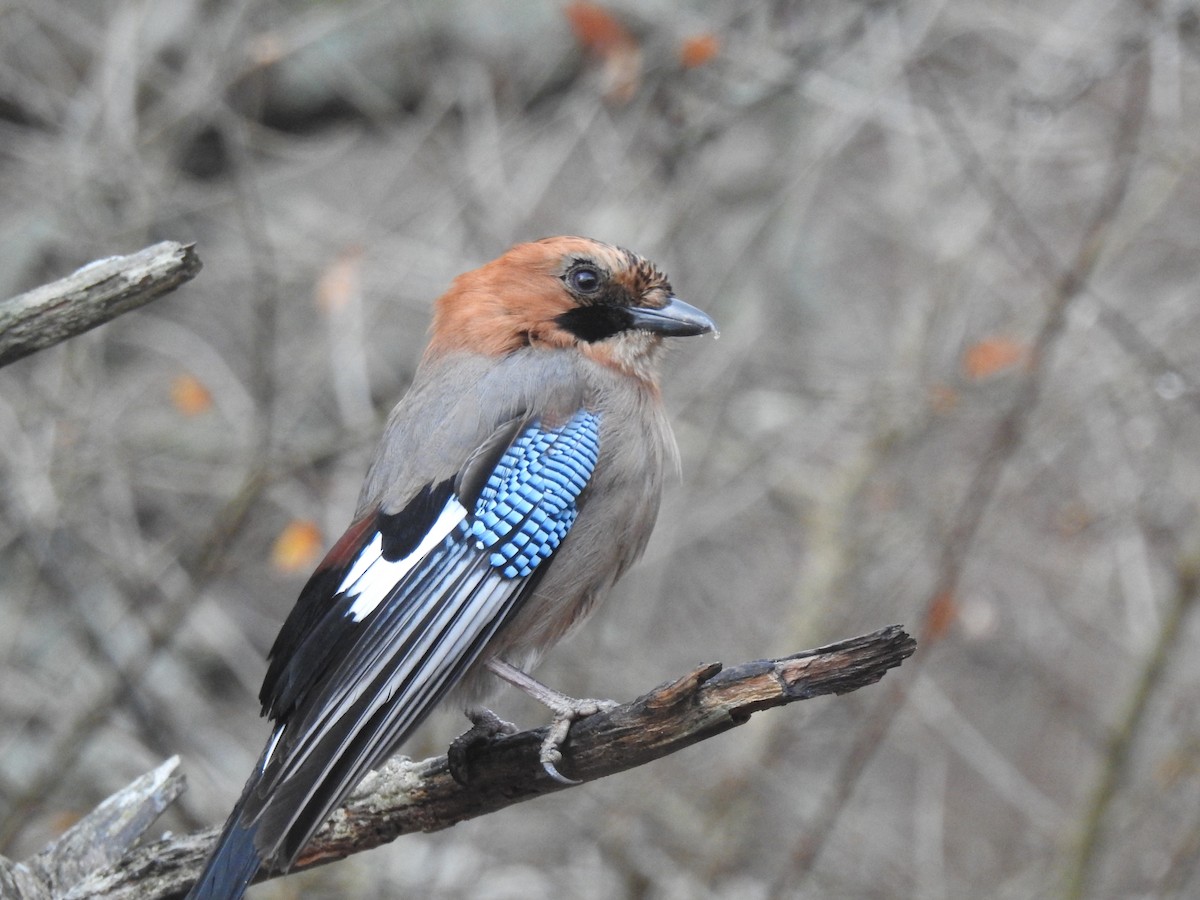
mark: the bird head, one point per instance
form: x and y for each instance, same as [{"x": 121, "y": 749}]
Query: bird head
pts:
[{"x": 566, "y": 292}]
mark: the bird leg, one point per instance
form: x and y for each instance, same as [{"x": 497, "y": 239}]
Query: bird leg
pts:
[{"x": 566, "y": 710}]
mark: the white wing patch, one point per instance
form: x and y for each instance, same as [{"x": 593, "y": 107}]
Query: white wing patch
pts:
[
  {"x": 271, "y": 745},
  {"x": 372, "y": 577},
  {"x": 411, "y": 682}
]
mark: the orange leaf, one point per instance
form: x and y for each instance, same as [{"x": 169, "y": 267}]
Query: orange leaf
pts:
[
  {"x": 596, "y": 29},
  {"x": 1073, "y": 519},
  {"x": 297, "y": 547},
  {"x": 601, "y": 35},
  {"x": 942, "y": 398},
  {"x": 64, "y": 819},
  {"x": 341, "y": 281},
  {"x": 189, "y": 395},
  {"x": 1176, "y": 765},
  {"x": 266, "y": 49},
  {"x": 991, "y": 356},
  {"x": 699, "y": 50},
  {"x": 939, "y": 616}
]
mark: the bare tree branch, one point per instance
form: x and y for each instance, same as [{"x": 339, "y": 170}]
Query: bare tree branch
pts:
[
  {"x": 1080, "y": 872},
  {"x": 105, "y": 834},
  {"x": 406, "y": 796},
  {"x": 91, "y": 296},
  {"x": 101, "y": 838}
]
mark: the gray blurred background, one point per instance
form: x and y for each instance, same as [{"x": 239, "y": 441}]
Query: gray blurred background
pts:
[{"x": 952, "y": 248}]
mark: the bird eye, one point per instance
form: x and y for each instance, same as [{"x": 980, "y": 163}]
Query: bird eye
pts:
[{"x": 584, "y": 279}]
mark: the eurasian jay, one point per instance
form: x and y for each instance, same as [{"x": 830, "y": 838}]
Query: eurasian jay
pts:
[{"x": 516, "y": 481}]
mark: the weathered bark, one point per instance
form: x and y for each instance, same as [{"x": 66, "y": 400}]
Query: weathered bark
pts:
[{"x": 91, "y": 296}]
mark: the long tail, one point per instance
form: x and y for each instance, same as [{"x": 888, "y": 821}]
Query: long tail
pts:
[
  {"x": 234, "y": 859},
  {"x": 231, "y": 865}
]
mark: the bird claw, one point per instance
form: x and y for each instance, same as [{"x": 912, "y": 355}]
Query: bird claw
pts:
[
  {"x": 551, "y": 751},
  {"x": 485, "y": 727},
  {"x": 566, "y": 711}
]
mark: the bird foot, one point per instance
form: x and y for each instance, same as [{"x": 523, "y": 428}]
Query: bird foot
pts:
[
  {"x": 566, "y": 710},
  {"x": 485, "y": 727}
]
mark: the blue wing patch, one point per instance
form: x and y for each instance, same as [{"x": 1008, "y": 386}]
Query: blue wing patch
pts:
[{"x": 529, "y": 502}]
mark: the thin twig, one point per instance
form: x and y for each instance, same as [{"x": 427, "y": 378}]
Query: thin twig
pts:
[{"x": 1126, "y": 730}]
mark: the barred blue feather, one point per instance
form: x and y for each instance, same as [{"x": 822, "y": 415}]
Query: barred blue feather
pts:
[{"x": 529, "y": 502}]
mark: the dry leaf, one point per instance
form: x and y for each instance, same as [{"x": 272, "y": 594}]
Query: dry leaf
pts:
[
  {"x": 942, "y": 398},
  {"x": 596, "y": 29},
  {"x": 64, "y": 819},
  {"x": 699, "y": 50},
  {"x": 341, "y": 281},
  {"x": 602, "y": 36},
  {"x": 992, "y": 356},
  {"x": 1073, "y": 519},
  {"x": 189, "y": 395},
  {"x": 941, "y": 613},
  {"x": 266, "y": 50},
  {"x": 297, "y": 548},
  {"x": 1177, "y": 765}
]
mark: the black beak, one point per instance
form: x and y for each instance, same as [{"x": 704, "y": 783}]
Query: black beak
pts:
[{"x": 676, "y": 319}]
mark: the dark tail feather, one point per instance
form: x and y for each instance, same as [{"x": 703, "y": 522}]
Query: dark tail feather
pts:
[{"x": 231, "y": 865}]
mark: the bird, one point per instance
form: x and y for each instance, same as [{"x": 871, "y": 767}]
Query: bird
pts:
[{"x": 516, "y": 480}]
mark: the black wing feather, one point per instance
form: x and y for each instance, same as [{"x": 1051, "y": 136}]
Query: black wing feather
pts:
[{"x": 400, "y": 610}]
